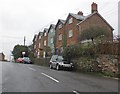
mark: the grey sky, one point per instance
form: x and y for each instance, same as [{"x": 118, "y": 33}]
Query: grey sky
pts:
[{"x": 19, "y": 18}]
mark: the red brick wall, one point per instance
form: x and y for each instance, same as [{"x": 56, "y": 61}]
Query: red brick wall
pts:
[
  {"x": 59, "y": 31},
  {"x": 73, "y": 26},
  {"x": 95, "y": 20}
]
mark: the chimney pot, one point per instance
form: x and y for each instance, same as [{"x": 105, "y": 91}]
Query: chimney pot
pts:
[
  {"x": 80, "y": 13},
  {"x": 94, "y": 7}
]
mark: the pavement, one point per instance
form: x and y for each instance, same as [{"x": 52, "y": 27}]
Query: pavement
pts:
[{"x": 32, "y": 78}]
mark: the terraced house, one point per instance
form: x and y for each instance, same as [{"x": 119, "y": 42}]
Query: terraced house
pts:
[
  {"x": 39, "y": 45},
  {"x": 67, "y": 32},
  {"x": 51, "y": 38},
  {"x": 77, "y": 23},
  {"x": 45, "y": 41},
  {"x": 35, "y": 45},
  {"x": 60, "y": 35}
]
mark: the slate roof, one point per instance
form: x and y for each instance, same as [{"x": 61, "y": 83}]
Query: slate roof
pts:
[
  {"x": 60, "y": 20},
  {"x": 34, "y": 37},
  {"x": 45, "y": 30},
  {"x": 53, "y": 25},
  {"x": 78, "y": 17},
  {"x": 86, "y": 17},
  {"x": 63, "y": 21}
]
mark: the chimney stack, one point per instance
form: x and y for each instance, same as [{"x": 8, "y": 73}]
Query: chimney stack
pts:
[
  {"x": 94, "y": 7},
  {"x": 80, "y": 13}
]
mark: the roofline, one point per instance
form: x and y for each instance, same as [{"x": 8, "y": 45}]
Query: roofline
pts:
[
  {"x": 70, "y": 14},
  {"x": 99, "y": 16},
  {"x": 59, "y": 20},
  {"x": 50, "y": 27}
]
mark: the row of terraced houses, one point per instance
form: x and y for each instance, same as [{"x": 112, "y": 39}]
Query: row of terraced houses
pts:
[{"x": 67, "y": 32}]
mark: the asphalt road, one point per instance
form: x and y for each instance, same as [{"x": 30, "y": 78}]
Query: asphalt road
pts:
[{"x": 31, "y": 78}]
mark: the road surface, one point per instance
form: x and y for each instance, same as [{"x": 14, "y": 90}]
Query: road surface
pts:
[{"x": 31, "y": 78}]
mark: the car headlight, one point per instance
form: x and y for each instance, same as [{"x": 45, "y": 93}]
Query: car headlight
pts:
[{"x": 61, "y": 63}]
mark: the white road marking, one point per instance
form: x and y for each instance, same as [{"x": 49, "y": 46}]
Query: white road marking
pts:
[
  {"x": 50, "y": 77},
  {"x": 31, "y": 69},
  {"x": 75, "y": 92}
]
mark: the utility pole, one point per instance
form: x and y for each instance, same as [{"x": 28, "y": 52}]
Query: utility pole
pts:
[{"x": 24, "y": 40}]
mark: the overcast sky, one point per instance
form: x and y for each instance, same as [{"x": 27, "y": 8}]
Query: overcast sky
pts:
[{"x": 19, "y": 18}]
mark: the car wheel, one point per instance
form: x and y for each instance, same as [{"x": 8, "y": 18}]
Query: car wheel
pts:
[
  {"x": 58, "y": 67},
  {"x": 50, "y": 66}
]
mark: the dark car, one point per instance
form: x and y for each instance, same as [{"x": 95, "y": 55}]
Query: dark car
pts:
[
  {"x": 58, "y": 63},
  {"x": 26, "y": 60}
]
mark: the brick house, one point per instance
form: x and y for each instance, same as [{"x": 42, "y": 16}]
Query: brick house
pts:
[
  {"x": 60, "y": 33},
  {"x": 71, "y": 27},
  {"x": 76, "y": 23},
  {"x": 51, "y": 38},
  {"x": 67, "y": 32},
  {"x": 2, "y": 57},
  {"x": 45, "y": 41},
  {"x": 39, "y": 45},
  {"x": 95, "y": 20},
  {"x": 35, "y": 45}
]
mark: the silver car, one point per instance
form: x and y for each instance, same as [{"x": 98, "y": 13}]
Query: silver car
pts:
[{"x": 58, "y": 63}]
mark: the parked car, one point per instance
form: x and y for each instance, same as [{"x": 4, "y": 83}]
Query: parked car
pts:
[
  {"x": 26, "y": 60},
  {"x": 58, "y": 63},
  {"x": 19, "y": 60}
]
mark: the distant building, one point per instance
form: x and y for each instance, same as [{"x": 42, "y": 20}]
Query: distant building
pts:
[{"x": 2, "y": 57}]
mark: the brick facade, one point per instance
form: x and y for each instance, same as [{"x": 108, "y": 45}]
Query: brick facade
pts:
[
  {"x": 60, "y": 30},
  {"x": 95, "y": 20},
  {"x": 68, "y": 31}
]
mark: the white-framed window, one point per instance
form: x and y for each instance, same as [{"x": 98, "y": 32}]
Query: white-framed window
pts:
[
  {"x": 51, "y": 40},
  {"x": 60, "y": 26},
  {"x": 34, "y": 46},
  {"x": 45, "y": 34},
  {"x": 39, "y": 37},
  {"x": 44, "y": 42},
  {"x": 36, "y": 39},
  {"x": 70, "y": 33},
  {"x": 51, "y": 30},
  {"x": 39, "y": 45},
  {"x": 60, "y": 37},
  {"x": 38, "y": 53},
  {"x": 70, "y": 21}
]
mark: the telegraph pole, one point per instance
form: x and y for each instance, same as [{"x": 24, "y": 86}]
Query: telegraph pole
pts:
[{"x": 24, "y": 40}]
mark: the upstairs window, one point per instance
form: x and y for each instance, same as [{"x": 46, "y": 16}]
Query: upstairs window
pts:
[
  {"x": 39, "y": 45},
  {"x": 36, "y": 39},
  {"x": 51, "y": 40},
  {"x": 70, "y": 33},
  {"x": 45, "y": 34},
  {"x": 39, "y": 37},
  {"x": 60, "y": 37},
  {"x": 70, "y": 21},
  {"x": 45, "y": 43},
  {"x": 51, "y": 30},
  {"x": 34, "y": 46},
  {"x": 60, "y": 26}
]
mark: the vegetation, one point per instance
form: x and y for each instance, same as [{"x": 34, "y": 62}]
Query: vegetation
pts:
[
  {"x": 94, "y": 33},
  {"x": 18, "y": 49},
  {"x": 76, "y": 51}
]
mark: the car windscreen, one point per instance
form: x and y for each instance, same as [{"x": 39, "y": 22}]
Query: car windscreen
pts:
[{"x": 60, "y": 58}]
